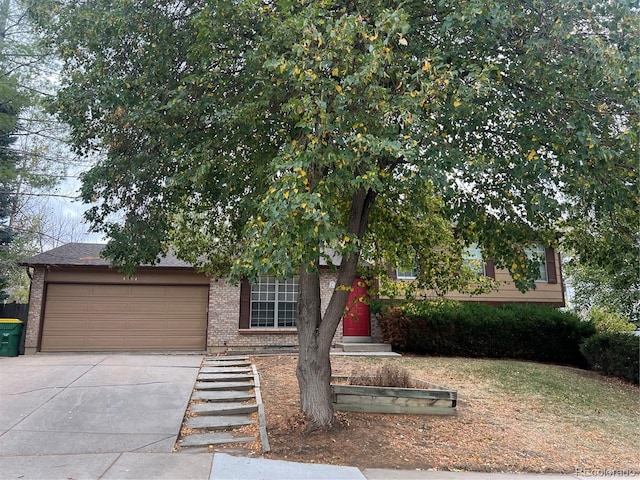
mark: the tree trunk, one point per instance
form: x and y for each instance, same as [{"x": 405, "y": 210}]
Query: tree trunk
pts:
[
  {"x": 315, "y": 332},
  {"x": 314, "y": 365}
]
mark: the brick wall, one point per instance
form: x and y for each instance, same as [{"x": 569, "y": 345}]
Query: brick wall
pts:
[
  {"x": 376, "y": 331},
  {"x": 224, "y": 315},
  {"x": 36, "y": 297}
]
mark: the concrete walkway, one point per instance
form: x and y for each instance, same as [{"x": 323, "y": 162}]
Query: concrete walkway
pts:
[{"x": 117, "y": 416}]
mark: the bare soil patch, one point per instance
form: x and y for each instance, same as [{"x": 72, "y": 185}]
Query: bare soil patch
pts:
[{"x": 512, "y": 417}]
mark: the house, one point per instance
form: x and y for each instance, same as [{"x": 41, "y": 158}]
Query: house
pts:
[
  {"x": 79, "y": 303},
  {"x": 549, "y": 285}
]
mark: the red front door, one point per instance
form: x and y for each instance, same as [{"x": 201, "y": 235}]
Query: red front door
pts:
[{"x": 356, "y": 320}]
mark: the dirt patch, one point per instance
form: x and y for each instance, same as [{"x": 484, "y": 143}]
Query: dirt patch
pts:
[{"x": 492, "y": 431}]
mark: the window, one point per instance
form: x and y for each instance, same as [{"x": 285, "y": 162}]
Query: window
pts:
[
  {"x": 537, "y": 252},
  {"x": 274, "y": 303},
  {"x": 473, "y": 259},
  {"x": 406, "y": 274}
]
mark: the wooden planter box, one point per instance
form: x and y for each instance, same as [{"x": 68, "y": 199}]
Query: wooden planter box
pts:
[{"x": 422, "y": 401}]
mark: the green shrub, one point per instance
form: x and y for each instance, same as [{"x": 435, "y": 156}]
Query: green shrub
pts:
[
  {"x": 477, "y": 330},
  {"x": 606, "y": 321},
  {"x": 614, "y": 353}
]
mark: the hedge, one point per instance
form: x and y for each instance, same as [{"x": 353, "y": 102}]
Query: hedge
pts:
[
  {"x": 477, "y": 330},
  {"x": 614, "y": 353}
]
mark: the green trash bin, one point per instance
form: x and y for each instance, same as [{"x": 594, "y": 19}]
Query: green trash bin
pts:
[{"x": 10, "y": 332}]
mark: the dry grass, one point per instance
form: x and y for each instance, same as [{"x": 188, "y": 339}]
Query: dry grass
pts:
[
  {"x": 385, "y": 376},
  {"x": 512, "y": 417}
]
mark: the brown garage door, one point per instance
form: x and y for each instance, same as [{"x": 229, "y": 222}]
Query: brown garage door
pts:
[{"x": 124, "y": 317}]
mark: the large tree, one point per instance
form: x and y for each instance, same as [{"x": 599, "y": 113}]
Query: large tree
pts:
[
  {"x": 256, "y": 137},
  {"x": 9, "y": 107},
  {"x": 33, "y": 154}
]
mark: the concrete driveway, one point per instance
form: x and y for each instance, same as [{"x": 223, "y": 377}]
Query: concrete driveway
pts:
[{"x": 96, "y": 404}]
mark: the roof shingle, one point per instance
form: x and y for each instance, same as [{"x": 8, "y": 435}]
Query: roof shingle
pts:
[{"x": 88, "y": 254}]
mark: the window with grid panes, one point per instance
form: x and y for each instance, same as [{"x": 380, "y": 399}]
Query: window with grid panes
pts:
[
  {"x": 473, "y": 259},
  {"x": 537, "y": 251},
  {"x": 274, "y": 303}
]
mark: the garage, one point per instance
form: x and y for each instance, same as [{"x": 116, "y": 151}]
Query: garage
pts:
[
  {"x": 79, "y": 303},
  {"x": 124, "y": 318}
]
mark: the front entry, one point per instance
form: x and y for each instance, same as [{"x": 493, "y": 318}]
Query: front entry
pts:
[{"x": 356, "y": 321}]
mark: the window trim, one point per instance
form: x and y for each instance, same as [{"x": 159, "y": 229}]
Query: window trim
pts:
[
  {"x": 539, "y": 252},
  {"x": 477, "y": 257},
  {"x": 405, "y": 274},
  {"x": 280, "y": 289}
]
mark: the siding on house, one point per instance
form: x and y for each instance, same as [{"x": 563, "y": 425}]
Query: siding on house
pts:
[{"x": 546, "y": 292}]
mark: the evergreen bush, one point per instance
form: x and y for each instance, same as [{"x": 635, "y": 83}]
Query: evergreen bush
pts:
[
  {"x": 614, "y": 353},
  {"x": 469, "y": 329}
]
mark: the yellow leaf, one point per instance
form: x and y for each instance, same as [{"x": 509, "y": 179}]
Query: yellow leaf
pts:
[
  {"x": 457, "y": 103},
  {"x": 426, "y": 66},
  {"x": 286, "y": 194},
  {"x": 335, "y": 72},
  {"x": 296, "y": 70},
  {"x": 532, "y": 154},
  {"x": 339, "y": 88},
  {"x": 403, "y": 41}
]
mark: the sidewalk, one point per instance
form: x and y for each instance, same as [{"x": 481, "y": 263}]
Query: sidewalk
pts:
[
  {"x": 209, "y": 466},
  {"x": 226, "y": 467}
]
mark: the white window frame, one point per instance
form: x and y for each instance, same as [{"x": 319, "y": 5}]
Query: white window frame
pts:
[
  {"x": 275, "y": 295},
  {"x": 406, "y": 274},
  {"x": 538, "y": 251},
  {"x": 473, "y": 258}
]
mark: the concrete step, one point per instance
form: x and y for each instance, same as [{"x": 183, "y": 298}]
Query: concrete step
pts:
[
  {"x": 364, "y": 347},
  {"x": 214, "y": 396},
  {"x": 224, "y": 385},
  {"x": 218, "y": 438},
  {"x": 225, "y": 377},
  {"x": 269, "y": 350},
  {"x": 225, "y": 408},
  {"x": 206, "y": 369},
  {"x": 226, "y": 363},
  {"x": 223, "y": 422},
  {"x": 227, "y": 358}
]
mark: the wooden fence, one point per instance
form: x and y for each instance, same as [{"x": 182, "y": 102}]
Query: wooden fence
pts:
[{"x": 19, "y": 311}]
